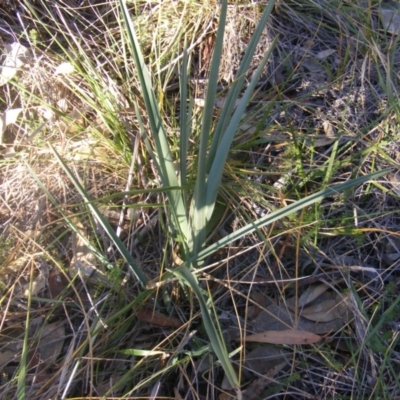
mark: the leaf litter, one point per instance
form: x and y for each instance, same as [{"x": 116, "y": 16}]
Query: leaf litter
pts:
[
  {"x": 344, "y": 107},
  {"x": 325, "y": 312}
]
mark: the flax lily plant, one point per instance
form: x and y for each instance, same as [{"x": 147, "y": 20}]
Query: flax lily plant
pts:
[
  {"x": 190, "y": 211},
  {"x": 189, "y": 223}
]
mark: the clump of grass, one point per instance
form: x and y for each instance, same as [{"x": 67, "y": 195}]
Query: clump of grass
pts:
[{"x": 216, "y": 205}]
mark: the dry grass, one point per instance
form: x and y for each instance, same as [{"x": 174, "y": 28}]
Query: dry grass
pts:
[{"x": 326, "y": 109}]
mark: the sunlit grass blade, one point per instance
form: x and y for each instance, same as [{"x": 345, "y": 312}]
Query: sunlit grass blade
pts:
[
  {"x": 103, "y": 222},
  {"x": 218, "y": 163},
  {"x": 198, "y": 209},
  {"x": 284, "y": 212},
  {"x": 216, "y": 341},
  {"x": 236, "y": 88},
  {"x": 211, "y": 165},
  {"x": 331, "y": 162},
  {"x": 167, "y": 169},
  {"x": 23, "y": 364},
  {"x": 185, "y": 118}
]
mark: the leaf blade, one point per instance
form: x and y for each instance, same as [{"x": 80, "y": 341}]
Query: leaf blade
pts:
[
  {"x": 288, "y": 337},
  {"x": 298, "y": 205},
  {"x": 103, "y": 222}
]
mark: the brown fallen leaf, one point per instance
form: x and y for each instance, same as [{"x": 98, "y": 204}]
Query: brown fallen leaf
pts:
[
  {"x": 324, "y": 311},
  {"x": 51, "y": 341},
  {"x": 309, "y": 295},
  {"x": 279, "y": 318},
  {"x": 153, "y": 317},
  {"x": 284, "y": 337},
  {"x": 330, "y": 306}
]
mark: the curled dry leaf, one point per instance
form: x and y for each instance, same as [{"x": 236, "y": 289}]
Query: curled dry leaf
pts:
[
  {"x": 322, "y": 306},
  {"x": 284, "y": 337},
  {"x": 328, "y": 308},
  {"x": 311, "y": 294},
  {"x": 324, "y": 311}
]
